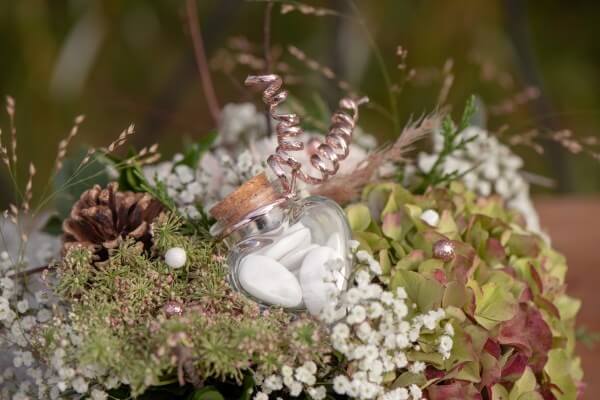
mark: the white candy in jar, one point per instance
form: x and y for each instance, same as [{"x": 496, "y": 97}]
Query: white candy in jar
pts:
[{"x": 291, "y": 271}]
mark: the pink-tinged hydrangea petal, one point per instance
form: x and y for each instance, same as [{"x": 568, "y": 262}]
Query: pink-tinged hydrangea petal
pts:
[
  {"x": 455, "y": 390},
  {"x": 492, "y": 347},
  {"x": 515, "y": 366},
  {"x": 529, "y": 333}
]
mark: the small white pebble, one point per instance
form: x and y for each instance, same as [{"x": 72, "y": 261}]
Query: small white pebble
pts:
[
  {"x": 431, "y": 217},
  {"x": 175, "y": 257}
]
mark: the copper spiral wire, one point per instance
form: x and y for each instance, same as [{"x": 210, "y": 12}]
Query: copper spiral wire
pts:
[{"x": 326, "y": 156}]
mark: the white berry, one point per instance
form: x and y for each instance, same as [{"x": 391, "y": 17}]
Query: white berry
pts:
[
  {"x": 431, "y": 217},
  {"x": 175, "y": 257}
]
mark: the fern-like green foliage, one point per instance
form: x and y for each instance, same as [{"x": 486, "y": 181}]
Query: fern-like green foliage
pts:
[
  {"x": 451, "y": 143},
  {"x": 117, "y": 311}
]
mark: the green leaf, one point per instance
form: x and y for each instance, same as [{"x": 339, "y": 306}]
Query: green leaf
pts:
[
  {"x": 470, "y": 372},
  {"x": 429, "y": 358},
  {"x": 526, "y": 383},
  {"x": 411, "y": 261},
  {"x": 247, "y": 387},
  {"x": 408, "y": 378},
  {"x": 371, "y": 241},
  {"x": 558, "y": 370},
  {"x": 402, "y": 195},
  {"x": 426, "y": 293},
  {"x": 132, "y": 179},
  {"x": 384, "y": 261},
  {"x": 206, "y": 393},
  {"x": 523, "y": 245},
  {"x": 568, "y": 307},
  {"x": 53, "y": 225},
  {"x": 499, "y": 392},
  {"x": 493, "y": 304},
  {"x": 415, "y": 212},
  {"x": 428, "y": 267},
  {"x": 455, "y": 295},
  {"x": 359, "y": 217},
  {"x": 194, "y": 151},
  {"x": 447, "y": 226},
  {"x": 468, "y": 113},
  {"x": 391, "y": 226}
]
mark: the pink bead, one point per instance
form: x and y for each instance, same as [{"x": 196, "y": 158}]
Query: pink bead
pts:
[
  {"x": 173, "y": 308},
  {"x": 444, "y": 250}
]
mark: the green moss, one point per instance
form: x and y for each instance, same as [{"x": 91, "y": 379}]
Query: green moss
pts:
[{"x": 116, "y": 308}]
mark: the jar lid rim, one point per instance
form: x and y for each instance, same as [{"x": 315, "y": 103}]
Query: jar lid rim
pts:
[{"x": 221, "y": 230}]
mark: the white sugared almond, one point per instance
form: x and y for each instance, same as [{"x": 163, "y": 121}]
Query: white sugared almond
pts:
[
  {"x": 269, "y": 281},
  {"x": 431, "y": 217},
  {"x": 312, "y": 278},
  {"x": 297, "y": 239},
  {"x": 293, "y": 260}
]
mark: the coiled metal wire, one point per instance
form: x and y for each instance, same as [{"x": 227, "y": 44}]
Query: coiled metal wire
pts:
[{"x": 325, "y": 156}]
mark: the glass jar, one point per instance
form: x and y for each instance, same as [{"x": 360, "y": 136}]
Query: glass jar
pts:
[{"x": 289, "y": 253}]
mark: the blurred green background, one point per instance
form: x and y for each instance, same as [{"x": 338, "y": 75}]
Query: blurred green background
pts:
[{"x": 119, "y": 62}]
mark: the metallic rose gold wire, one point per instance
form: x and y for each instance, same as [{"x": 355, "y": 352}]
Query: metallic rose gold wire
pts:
[{"x": 326, "y": 155}]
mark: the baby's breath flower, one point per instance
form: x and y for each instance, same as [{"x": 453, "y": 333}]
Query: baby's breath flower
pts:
[
  {"x": 487, "y": 167},
  {"x": 273, "y": 383},
  {"x": 261, "y": 396},
  {"x": 295, "y": 389},
  {"x": 99, "y": 394},
  {"x": 318, "y": 393},
  {"x": 287, "y": 371},
  {"x": 341, "y": 384},
  {"x": 372, "y": 336},
  {"x": 80, "y": 385},
  {"x": 415, "y": 392},
  {"x": 22, "y": 306},
  {"x": 417, "y": 367}
]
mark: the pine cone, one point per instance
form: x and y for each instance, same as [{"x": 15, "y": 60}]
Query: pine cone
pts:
[{"x": 102, "y": 218}]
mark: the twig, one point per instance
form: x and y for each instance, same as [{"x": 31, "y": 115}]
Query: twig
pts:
[
  {"x": 31, "y": 271},
  {"x": 185, "y": 366},
  {"x": 201, "y": 61},
  {"x": 268, "y": 56}
]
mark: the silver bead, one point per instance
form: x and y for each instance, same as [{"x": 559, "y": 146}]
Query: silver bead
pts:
[{"x": 444, "y": 250}]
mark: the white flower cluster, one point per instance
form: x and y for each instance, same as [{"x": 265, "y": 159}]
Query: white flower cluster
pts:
[
  {"x": 486, "y": 167},
  {"x": 240, "y": 152},
  {"x": 240, "y": 122},
  {"x": 374, "y": 329},
  {"x": 65, "y": 375},
  {"x": 296, "y": 381},
  {"x": 26, "y": 306},
  {"x": 217, "y": 175}
]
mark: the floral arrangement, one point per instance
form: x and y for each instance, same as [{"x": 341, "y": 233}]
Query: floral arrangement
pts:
[{"x": 454, "y": 292}]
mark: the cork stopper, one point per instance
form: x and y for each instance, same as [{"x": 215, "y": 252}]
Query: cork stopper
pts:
[{"x": 255, "y": 193}]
